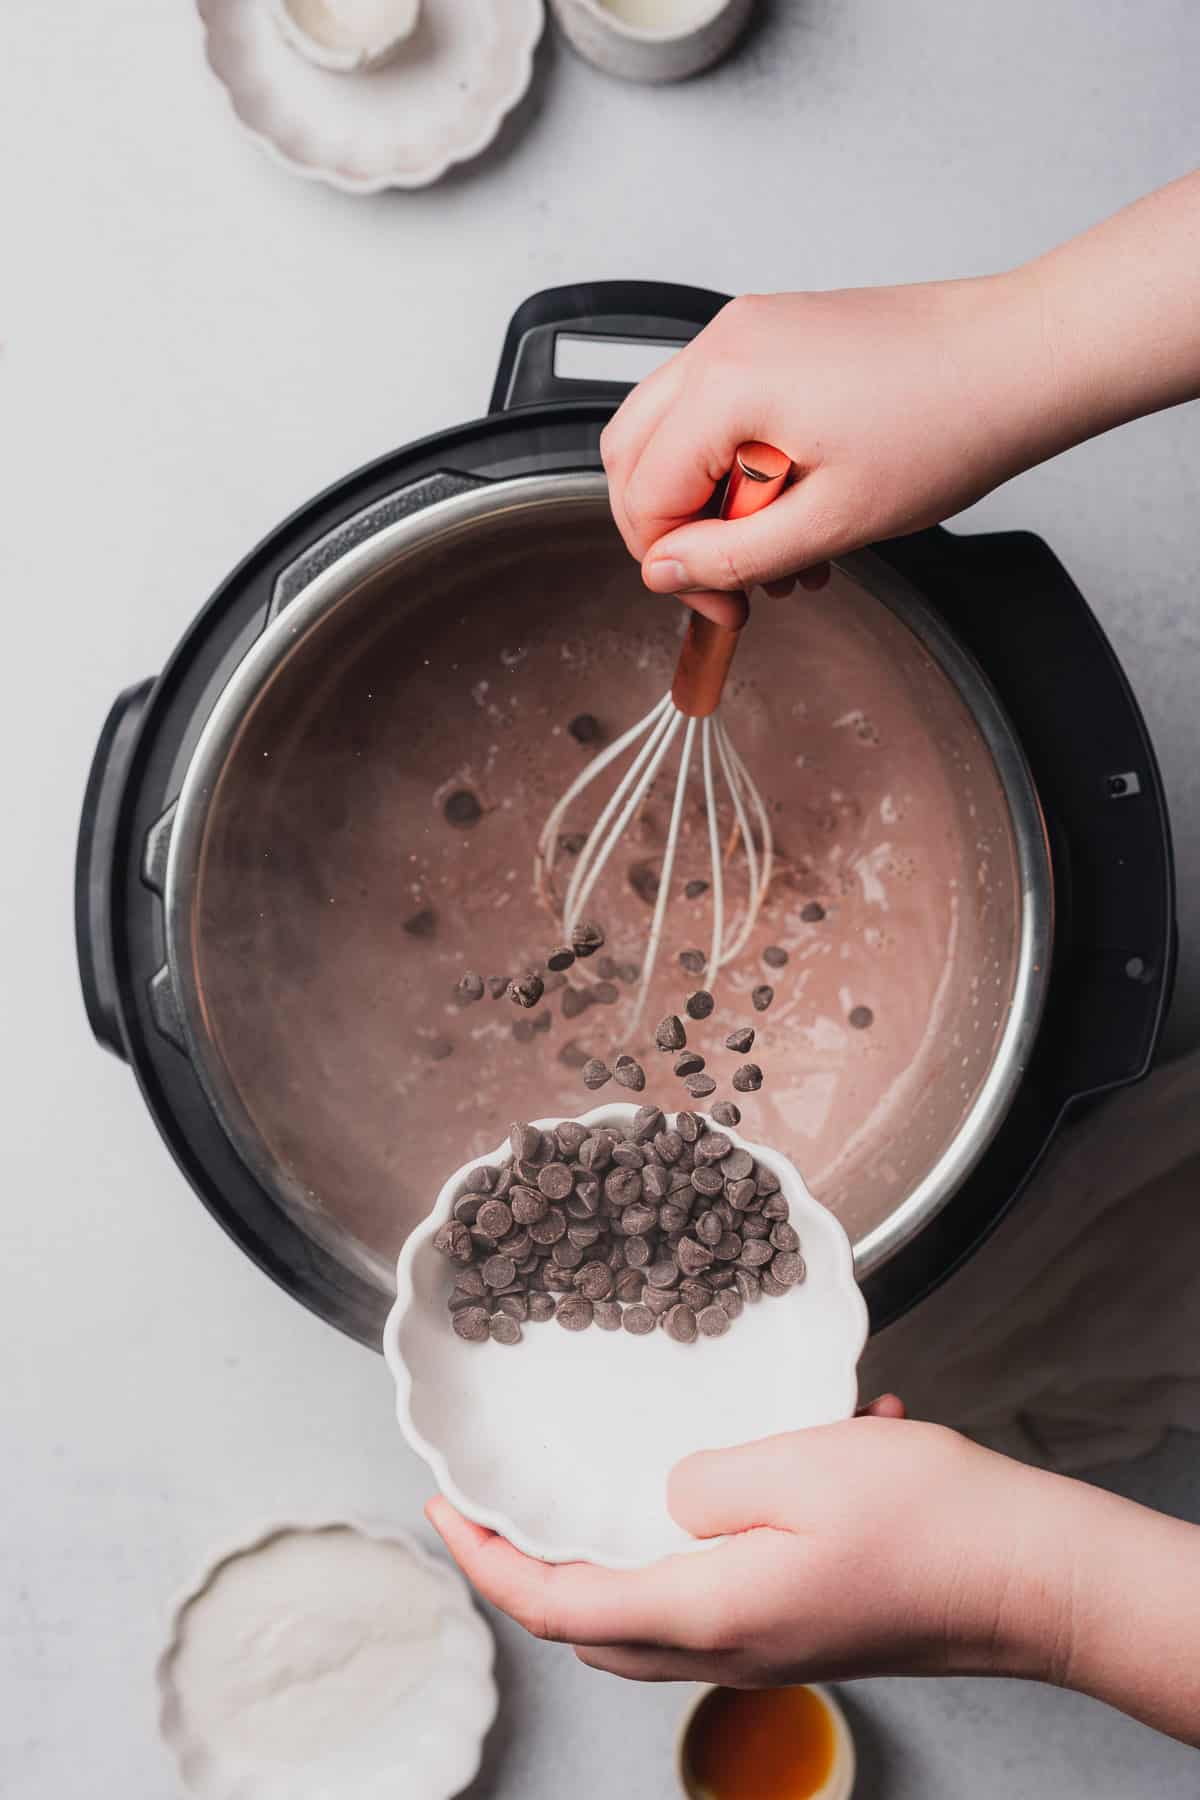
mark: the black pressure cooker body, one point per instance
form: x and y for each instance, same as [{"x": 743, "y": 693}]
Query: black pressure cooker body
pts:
[{"x": 1003, "y": 597}]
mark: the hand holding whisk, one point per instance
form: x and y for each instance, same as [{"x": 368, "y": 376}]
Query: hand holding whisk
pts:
[{"x": 758, "y": 475}]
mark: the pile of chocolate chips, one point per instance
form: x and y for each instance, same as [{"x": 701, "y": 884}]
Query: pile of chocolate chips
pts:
[{"x": 657, "y": 1224}]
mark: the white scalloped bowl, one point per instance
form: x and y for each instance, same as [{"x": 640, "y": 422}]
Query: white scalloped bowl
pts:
[
  {"x": 563, "y": 1442},
  {"x": 440, "y": 101},
  {"x": 428, "y": 1742}
]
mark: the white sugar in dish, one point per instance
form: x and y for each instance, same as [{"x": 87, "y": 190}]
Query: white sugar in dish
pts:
[{"x": 327, "y": 1661}]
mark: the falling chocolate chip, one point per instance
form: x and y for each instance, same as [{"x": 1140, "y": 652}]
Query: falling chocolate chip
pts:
[
  {"x": 522, "y": 1030},
  {"x": 584, "y": 728},
  {"x": 775, "y": 956},
  {"x": 670, "y": 1034},
  {"x": 693, "y": 961},
  {"x": 422, "y": 924},
  {"x": 595, "y": 1073},
  {"x": 497, "y": 986},
  {"x": 643, "y": 879},
  {"x": 462, "y": 808},
  {"x": 629, "y": 1074},
  {"x": 605, "y": 993},
  {"x": 628, "y": 973},
  {"x": 762, "y": 997},
  {"x": 689, "y": 1062},
  {"x": 573, "y": 1055},
  {"x": 587, "y": 938},
  {"x": 694, "y": 889},
  {"x": 741, "y": 1039},
  {"x": 748, "y": 1079},
  {"x": 526, "y": 990},
  {"x": 812, "y": 913},
  {"x": 440, "y": 1048},
  {"x": 572, "y": 842},
  {"x": 700, "y": 1004},
  {"x": 861, "y": 1017},
  {"x": 469, "y": 989},
  {"x": 575, "y": 1001},
  {"x": 562, "y": 958},
  {"x": 542, "y": 1022},
  {"x": 700, "y": 1086},
  {"x": 606, "y": 968},
  {"x": 726, "y": 1113}
]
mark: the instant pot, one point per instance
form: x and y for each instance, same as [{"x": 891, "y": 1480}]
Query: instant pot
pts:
[{"x": 199, "y": 872}]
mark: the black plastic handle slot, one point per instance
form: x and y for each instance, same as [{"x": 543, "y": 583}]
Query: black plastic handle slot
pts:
[
  {"x": 643, "y": 315},
  {"x": 95, "y": 865}
]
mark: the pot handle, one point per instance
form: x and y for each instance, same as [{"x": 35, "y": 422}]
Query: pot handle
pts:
[
  {"x": 95, "y": 866},
  {"x": 596, "y": 340}
]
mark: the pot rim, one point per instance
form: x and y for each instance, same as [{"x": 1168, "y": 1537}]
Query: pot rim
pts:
[{"x": 455, "y": 515}]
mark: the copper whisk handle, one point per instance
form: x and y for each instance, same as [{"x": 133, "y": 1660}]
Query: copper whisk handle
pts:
[{"x": 758, "y": 475}]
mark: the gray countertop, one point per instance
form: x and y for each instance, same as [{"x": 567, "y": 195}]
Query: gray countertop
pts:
[{"x": 192, "y": 342}]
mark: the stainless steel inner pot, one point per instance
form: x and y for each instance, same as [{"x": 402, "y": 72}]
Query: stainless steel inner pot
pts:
[{"x": 320, "y": 906}]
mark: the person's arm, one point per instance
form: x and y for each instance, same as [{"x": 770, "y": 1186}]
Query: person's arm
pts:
[
  {"x": 900, "y": 406},
  {"x": 880, "y": 1546}
]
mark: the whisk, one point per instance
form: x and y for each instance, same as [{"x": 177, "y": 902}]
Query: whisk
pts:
[{"x": 758, "y": 475}]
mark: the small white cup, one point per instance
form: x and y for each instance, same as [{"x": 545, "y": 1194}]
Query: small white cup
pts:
[
  {"x": 838, "y": 1784},
  {"x": 652, "y": 40}
]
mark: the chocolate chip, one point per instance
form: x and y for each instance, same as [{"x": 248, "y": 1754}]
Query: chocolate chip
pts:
[
  {"x": 660, "y": 1300},
  {"x": 709, "y": 1229},
  {"x": 586, "y": 939},
  {"x": 524, "y": 1141},
  {"x": 550, "y": 1227},
  {"x": 709, "y": 1182},
  {"x": 741, "y": 1195},
  {"x": 755, "y": 1254},
  {"x": 495, "y": 1219},
  {"x": 504, "y": 1328},
  {"x": 541, "y": 1307},
  {"x": 462, "y": 808},
  {"x": 668, "y": 1145},
  {"x": 748, "y": 1079},
  {"x": 712, "y": 1146},
  {"x": 721, "y": 1278},
  {"x": 469, "y": 988},
  {"x": 584, "y": 728},
  {"x": 528, "y": 1205},
  {"x": 688, "y": 1062},
  {"x": 681, "y": 1324},
  {"x": 594, "y": 1281},
  {"x": 637, "y": 1319},
  {"x": 628, "y": 972},
  {"x": 713, "y": 1321},
  {"x": 595, "y": 1153},
  {"x": 628, "y": 1285},
  {"x": 775, "y": 956},
  {"x": 573, "y": 1055},
  {"x": 606, "y": 1314},
  {"x": 555, "y": 1181},
  {"x": 522, "y": 1031},
  {"x": 693, "y": 889},
  {"x": 453, "y": 1239},
  {"x": 861, "y": 1017},
  {"x": 595, "y": 1073},
  {"x": 700, "y": 1086},
  {"x": 567, "y": 1255},
  {"x": 472, "y": 1323},
  {"x": 574, "y": 1313},
  {"x": 624, "y": 1188},
  {"x": 605, "y": 993},
  {"x": 575, "y": 1001},
  {"x": 700, "y": 1004},
  {"x": 762, "y": 997},
  {"x": 787, "y": 1267},
  {"x": 440, "y": 1048},
  {"x": 747, "y": 1285},
  {"x": 670, "y": 1034},
  {"x": 497, "y": 986},
  {"x": 737, "y": 1165},
  {"x": 664, "y": 1273},
  {"x": 812, "y": 912},
  {"x": 480, "y": 1180},
  {"x": 766, "y": 1182},
  {"x": 629, "y": 1156},
  {"x": 422, "y": 924},
  {"x": 784, "y": 1237},
  {"x": 572, "y": 842},
  {"x": 695, "y": 1293},
  {"x": 526, "y": 990},
  {"x": 643, "y": 879},
  {"x": 730, "y": 1302},
  {"x": 499, "y": 1271},
  {"x": 469, "y": 1281},
  {"x": 637, "y": 1252},
  {"x": 693, "y": 1257},
  {"x": 741, "y": 1039},
  {"x": 694, "y": 962},
  {"x": 541, "y": 1023},
  {"x": 648, "y": 1122},
  {"x": 772, "y": 1285},
  {"x": 689, "y": 1125},
  {"x": 629, "y": 1074},
  {"x": 562, "y": 958}
]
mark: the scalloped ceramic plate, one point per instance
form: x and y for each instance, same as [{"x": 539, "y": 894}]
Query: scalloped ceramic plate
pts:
[
  {"x": 563, "y": 1443},
  {"x": 440, "y": 102},
  {"x": 353, "y": 1611}
]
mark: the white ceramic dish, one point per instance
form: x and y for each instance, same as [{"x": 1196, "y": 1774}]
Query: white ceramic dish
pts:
[
  {"x": 439, "y": 102},
  {"x": 838, "y": 1784},
  {"x": 652, "y": 40},
  {"x": 429, "y": 1741},
  {"x": 346, "y": 38},
  {"x": 563, "y": 1443}
]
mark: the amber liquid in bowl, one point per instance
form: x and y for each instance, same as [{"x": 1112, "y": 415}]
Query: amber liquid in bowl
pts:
[{"x": 775, "y": 1745}]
